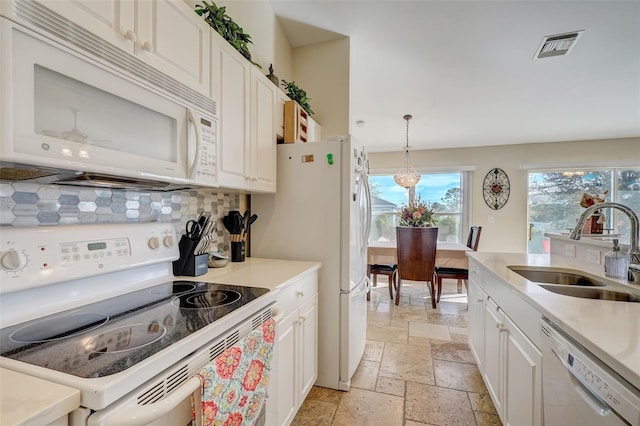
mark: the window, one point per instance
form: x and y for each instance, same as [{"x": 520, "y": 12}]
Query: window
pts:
[
  {"x": 443, "y": 191},
  {"x": 554, "y": 201}
]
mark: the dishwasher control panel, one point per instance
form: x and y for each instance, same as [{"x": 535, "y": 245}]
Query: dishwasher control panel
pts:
[{"x": 598, "y": 379}]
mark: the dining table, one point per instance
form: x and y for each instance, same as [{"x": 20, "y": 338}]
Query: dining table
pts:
[{"x": 451, "y": 255}]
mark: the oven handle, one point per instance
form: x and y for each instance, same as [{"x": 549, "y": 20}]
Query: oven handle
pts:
[{"x": 144, "y": 414}]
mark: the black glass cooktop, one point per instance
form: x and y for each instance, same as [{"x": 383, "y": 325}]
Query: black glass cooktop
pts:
[{"x": 109, "y": 336}]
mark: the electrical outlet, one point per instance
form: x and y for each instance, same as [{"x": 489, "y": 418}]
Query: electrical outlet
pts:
[
  {"x": 570, "y": 250},
  {"x": 593, "y": 256}
]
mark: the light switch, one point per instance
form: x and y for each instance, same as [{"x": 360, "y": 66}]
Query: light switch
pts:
[
  {"x": 593, "y": 256},
  {"x": 490, "y": 218},
  {"x": 570, "y": 250}
]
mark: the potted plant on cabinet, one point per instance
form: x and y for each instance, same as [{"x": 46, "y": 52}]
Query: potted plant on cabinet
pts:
[{"x": 218, "y": 19}]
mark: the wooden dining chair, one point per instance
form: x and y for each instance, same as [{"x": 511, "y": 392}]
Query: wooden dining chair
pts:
[
  {"x": 416, "y": 257},
  {"x": 390, "y": 270},
  {"x": 459, "y": 274}
]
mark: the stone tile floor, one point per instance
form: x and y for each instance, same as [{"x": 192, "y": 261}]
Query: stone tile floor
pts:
[{"x": 416, "y": 370}]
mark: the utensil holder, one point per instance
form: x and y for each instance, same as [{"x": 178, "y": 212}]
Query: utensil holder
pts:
[{"x": 237, "y": 251}]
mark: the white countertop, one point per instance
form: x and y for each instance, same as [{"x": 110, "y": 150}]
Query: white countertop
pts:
[
  {"x": 608, "y": 329},
  {"x": 26, "y": 400},
  {"x": 268, "y": 273}
]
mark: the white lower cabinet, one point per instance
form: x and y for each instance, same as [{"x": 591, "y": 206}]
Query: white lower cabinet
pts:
[
  {"x": 508, "y": 359},
  {"x": 295, "y": 367}
]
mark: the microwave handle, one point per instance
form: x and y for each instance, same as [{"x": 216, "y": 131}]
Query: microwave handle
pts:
[
  {"x": 192, "y": 120},
  {"x": 145, "y": 414}
]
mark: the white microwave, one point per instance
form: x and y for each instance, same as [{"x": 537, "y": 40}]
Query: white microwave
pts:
[{"x": 106, "y": 119}]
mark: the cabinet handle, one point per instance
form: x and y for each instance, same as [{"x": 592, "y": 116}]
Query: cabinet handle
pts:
[
  {"x": 130, "y": 35},
  {"x": 147, "y": 46},
  {"x": 479, "y": 300},
  {"x": 501, "y": 327},
  {"x": 300, "y": 293}
]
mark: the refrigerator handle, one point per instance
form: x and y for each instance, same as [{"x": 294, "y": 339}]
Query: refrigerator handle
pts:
[{"x": 367, "y": 212}]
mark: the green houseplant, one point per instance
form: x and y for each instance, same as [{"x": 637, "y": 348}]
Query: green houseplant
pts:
[
  {"x": 297, "y": 94},
  {"x": 218, "y": 19}
]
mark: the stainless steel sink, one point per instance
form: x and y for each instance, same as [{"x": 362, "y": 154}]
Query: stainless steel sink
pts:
[
  {"x": 593, "y": 293},
  {"x": 556, "y": 276}
]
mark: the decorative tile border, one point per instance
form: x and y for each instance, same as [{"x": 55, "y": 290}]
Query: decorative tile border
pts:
[{"x": 27, "y": 204}]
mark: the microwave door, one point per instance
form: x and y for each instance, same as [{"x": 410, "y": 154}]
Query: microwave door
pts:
[{"x": 72, "y": 112}]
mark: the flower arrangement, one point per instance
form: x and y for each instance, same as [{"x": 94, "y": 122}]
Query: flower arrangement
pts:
[{"x": 417, "y": 214}]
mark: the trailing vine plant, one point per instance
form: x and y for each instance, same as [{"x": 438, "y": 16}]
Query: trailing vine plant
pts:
[
  {"x": 218, "y": 19},
  {"x": 297, "y": 94}
]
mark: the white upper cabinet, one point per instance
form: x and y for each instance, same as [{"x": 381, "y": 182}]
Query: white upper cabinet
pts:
[
  {"x": 165, "y": 34},
  {"x": 263, "y": 153},
  {"x": 247, "y": 128},
  {"x": 174, "y": 39}
]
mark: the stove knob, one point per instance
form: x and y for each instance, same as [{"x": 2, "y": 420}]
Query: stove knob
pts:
[
  {"x": 13, "y": 260},
  {"x": 154, "y": 243},
  {"x": 168, "y": 241}
]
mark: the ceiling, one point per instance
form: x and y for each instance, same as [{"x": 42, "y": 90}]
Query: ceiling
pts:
[{"x": 465, "y": 69}]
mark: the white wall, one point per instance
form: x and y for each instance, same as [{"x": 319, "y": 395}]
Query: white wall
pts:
[
  {"x": 322, "y": 70},
  {"x": 508, "y": 231}
]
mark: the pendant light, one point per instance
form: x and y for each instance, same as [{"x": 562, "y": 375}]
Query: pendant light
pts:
[{"x": 407, "y": 177}]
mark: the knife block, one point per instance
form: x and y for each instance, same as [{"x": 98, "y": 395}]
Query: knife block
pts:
[{"x": 188, "y": 263}]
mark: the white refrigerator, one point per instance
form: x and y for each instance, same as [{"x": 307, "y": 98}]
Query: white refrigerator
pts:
[{"x": 322, "y": 211}]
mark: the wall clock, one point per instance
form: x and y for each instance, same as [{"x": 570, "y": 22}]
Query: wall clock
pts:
[{"x": 496, "y": 188}]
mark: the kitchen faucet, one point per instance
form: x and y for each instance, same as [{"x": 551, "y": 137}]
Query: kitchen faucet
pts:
[{"x": 633, "y": 273}]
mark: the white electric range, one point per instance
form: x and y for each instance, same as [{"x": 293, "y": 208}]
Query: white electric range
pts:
[{"x": 97, "y": 308}]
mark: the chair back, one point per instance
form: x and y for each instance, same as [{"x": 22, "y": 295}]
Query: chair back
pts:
[
  {"x": 474, "y": 237},
  {"x": 416, "y": 252}
]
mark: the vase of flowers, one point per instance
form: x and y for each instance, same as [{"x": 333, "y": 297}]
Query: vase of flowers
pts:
[{"x": 417, "y": 214}]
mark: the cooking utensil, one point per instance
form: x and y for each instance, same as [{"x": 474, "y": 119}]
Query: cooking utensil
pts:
[{"x": 248, "y": 224}]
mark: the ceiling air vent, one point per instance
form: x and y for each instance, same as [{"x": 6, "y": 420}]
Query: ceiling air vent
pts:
[{"x": 557, "y": 45}]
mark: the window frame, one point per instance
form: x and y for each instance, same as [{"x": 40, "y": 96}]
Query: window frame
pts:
[{"x": 465, "y": 196}]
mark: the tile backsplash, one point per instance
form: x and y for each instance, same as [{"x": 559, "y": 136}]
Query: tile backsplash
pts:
[{"x": 27, "y": 204}]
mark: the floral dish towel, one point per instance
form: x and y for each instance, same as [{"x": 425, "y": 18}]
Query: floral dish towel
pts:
[{"x": 234, "y": 384}]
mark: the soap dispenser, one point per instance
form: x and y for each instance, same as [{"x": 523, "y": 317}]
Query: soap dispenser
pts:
[{"x": 616, "y": 262}]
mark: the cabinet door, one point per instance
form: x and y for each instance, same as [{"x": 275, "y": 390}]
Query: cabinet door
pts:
[
  {"x": 523, "y": 379},
  {"x": 263, "y": 135},
  {"x": 475, "y": 300},
  {"x": 173, "y": 39},
  {"x": 308, "y": 354},
  {"x": 278, "y": 116},
  {"x": 493, "y": 362},
  {"x": 230, "y": 72},
  {"x": 111, "y": 20},
  {"x": 286, "y": 398}
]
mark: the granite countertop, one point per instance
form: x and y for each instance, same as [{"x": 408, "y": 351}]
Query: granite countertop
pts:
[
  {"x": 608, "y": 329},
  {"x": 21, "y": 404}
]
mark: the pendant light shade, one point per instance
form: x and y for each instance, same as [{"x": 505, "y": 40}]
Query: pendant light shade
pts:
[{"x": 407, "y": 177}]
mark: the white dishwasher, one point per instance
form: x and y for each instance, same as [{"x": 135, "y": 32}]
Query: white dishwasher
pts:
[{"x": 578, "y": 389}]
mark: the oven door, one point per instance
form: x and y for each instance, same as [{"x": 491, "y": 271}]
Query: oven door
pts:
[
  {"x": 66, "y": 110},
  {"x": 173, "y": 410}
]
